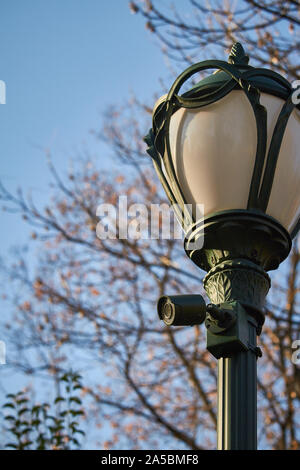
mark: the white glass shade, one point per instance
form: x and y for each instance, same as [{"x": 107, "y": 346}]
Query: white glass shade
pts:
[{"x": 214, "y": 148}]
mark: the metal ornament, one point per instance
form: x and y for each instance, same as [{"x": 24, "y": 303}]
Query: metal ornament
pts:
[
  {"x": 236, "y": 74},
  {"x": 249, "y": 234}
]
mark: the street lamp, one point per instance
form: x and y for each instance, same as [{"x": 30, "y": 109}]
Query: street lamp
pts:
[{"x": 232, "y": 144}]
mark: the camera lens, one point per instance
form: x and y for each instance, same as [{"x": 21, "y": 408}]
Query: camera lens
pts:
[
  {"x": 167, "y": 310},
  {"x": 181, "y": 310}
]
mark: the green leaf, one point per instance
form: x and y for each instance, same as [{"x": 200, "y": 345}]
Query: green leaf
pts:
[
  {"x": 13, "y": 446},
  {"x": 10, "y": 418},
  {"x": 58, "y": 399},
  {"x": 36, "y": 422},
  {"x": 59, "y": 427},
  {"x": 9, "y": 405},
  {"x": 53, "y": 418},
  {"x": 26, "y": 430},
  {"x": 76, "y": 412},
  {"x": 27, "y": 443},
  {"x": 36, "y": 409},
  {"x": 22, "y": 400},
  {"x": 59, "y": 421},
  {"x": 11, "y": 395},
  {"x": 76, "y": 400},
  {"x": 75, "y": 441},
  {"x": 65, "y": 378},
  {"x": 74, "y": 424},
  {"x": 76, "y": 377}
]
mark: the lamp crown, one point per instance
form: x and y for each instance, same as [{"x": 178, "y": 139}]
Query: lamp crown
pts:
[
  {"x": 237, "y": 55},
  {"x": 184, "y": 139}
]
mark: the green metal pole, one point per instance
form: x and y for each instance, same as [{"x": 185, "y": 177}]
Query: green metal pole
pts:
[
  {"x": 237, "y": 398},
  {"x": 237, "y": 289}
]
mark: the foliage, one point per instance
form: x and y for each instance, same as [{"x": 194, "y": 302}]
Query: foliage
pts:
[{"x": 44, "y": 426}]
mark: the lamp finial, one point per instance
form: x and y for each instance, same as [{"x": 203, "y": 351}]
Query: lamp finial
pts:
[{"x": 237, "y": 55}]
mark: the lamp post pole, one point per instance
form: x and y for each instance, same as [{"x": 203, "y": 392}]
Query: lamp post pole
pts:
[
  {"x": 209, "y": 146},
  {"x": 237, "y": 288},
  {"x": 237, "y": 400},
  {"x": 237, "y": 384}
]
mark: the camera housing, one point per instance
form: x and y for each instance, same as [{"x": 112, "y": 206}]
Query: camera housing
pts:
[{"x": 181, "y": 310}]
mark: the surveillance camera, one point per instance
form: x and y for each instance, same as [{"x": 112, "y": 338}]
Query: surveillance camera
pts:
[{"x": 181, "y": 310}]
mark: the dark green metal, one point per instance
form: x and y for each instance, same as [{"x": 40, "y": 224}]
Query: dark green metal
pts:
[
  {"x": 273, "y": 153},
  {"x": 296, "y": 229},
  {"x": 236, "y": 351},
  {"x": 241, "y": 281},
  {"x": 235, "y": 348},
  {"x": 242, "y": 234},
  {"x": 237, "y": 398},
  {"x": 181, "y": 310},
  {"x": 227, "y": 336},
  {"x": 235, "y": 247}
]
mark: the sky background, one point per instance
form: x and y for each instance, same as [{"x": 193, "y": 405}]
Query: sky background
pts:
[{"x": 64, "y": 63}]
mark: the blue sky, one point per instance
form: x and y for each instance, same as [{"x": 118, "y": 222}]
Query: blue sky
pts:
[{"x": 64, "y": 62}]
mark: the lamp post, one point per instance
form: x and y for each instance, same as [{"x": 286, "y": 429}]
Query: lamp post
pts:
[{"x": 232, "y": 144}]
